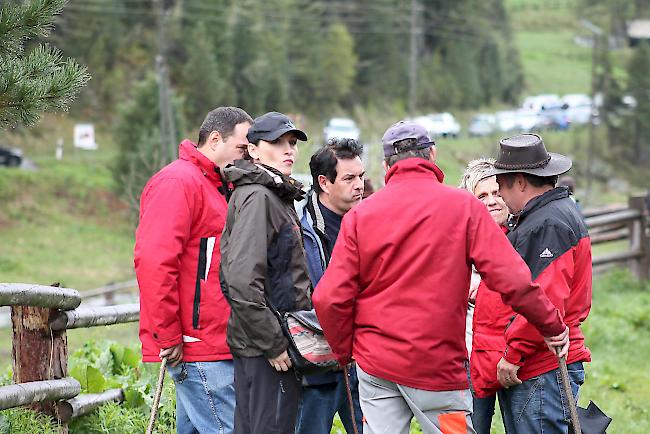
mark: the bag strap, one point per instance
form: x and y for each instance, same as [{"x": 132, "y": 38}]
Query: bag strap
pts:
[{"x": 346, "y": 375}]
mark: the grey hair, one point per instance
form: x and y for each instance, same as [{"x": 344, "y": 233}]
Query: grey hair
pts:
[
  {"x": 403, "y": 155},
  {"x": 475, "y": 172}
]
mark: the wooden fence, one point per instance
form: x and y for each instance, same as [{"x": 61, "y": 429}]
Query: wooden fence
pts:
[
  {"x": 609, "y": 225},
  {"x": 41, "y": 315}
]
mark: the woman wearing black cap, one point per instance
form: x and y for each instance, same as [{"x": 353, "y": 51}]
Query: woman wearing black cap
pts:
[{"x": 264, "y": 271}]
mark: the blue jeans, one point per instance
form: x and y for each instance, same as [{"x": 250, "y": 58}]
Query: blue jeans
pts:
[
  {"x": 205, "y": 397},
  {"x": 320, "y": 403},
  {"x": 482, "y": 414},
  {"x": 539, "y": 404}
]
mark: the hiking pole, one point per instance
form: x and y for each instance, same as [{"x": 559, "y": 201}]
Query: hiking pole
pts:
[
  {"x": 156, "y": 397},
  {"x": 564, "y": 373}
]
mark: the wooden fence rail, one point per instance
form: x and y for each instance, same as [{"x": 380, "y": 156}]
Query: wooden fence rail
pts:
[
  {"x": 38, "y": 391},
  {"x": 42, "y": 314}
]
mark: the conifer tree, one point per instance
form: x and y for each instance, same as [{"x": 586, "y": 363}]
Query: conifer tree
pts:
[{"x": 39, "y": 80}]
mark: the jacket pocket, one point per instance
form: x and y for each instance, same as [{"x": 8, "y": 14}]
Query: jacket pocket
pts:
[{"x": 283, "y": 292}]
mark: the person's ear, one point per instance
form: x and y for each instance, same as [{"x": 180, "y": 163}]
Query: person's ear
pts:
[
  {"x": 323, "y": 183},
  {"x": 521, "y": 182},
  {"x": 214, "y": 139},
  {"x": 253, "y": 151},
  {"x": 432, "y": 154},
  {"x": 385, "y": 165}
]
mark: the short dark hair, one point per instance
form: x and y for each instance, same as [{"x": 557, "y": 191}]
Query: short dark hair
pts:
[
  {"x": 534, "y": 180},
  {"x": 324, "y": 160},
  {"x": 224, "y": 120},
  {"x": 404, "y": 154}
]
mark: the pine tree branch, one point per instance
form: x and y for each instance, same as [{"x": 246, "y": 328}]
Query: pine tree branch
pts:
[
  {"x": 40, "y": 82},
  {"x": 20, "y": 23}
]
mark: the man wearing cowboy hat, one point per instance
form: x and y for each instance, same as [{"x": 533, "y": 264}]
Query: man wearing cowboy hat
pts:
[{"x": 550, "y": 235}]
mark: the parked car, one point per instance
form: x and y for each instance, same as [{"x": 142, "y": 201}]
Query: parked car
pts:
[
  {"x": 343, "y": 128},
  {"x": 482, "y": 124},
  {"x": 443, "y": 125},
  {"x": 579, "y": 108},
  {"x": 506, "y": 121},
  {"x": 428, "y": 123},
  {"x": 556, "y": 117},
  {"x": 540, "y": 102},
  {"x": 10, "y": 157},
  {"x": 530, "y": 121}
]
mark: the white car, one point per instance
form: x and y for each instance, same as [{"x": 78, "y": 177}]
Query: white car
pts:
[
  {"x": 442, "y": 125},
  {"x": 506, "y": 121},
  {"x": 529, "y": 121},
  {"x": 540, "y": 102},
  {"x": 579, "y": 108},
  {"x": 342, "y": 128},
  {"x": 482, "y": 124}
]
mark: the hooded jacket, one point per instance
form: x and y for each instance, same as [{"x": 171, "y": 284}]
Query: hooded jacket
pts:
[
  {"x": 182, "y": 213},
  {"x": 262, "y": 259},
  {"x": 395, "y": 293},
  {"x": 551, "y": 236}
]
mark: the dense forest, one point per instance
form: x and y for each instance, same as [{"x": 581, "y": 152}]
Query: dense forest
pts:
[{"x": 295, "y": 55}]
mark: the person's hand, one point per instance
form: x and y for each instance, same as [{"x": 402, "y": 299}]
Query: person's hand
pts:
[
  {"x": 473, "y": 290},
  {"x": 174, "y": 354},
  {"x": 559, "y": 344},
  {"x": 507, "y": 373},
  {"x": 281, "y": 363}
]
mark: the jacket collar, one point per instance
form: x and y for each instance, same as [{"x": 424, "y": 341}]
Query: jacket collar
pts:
[
  {"x": 187, "y": 151},
  {"x": 244, "y": 172},
  {"x": 538, "y": 202},
  {"x": 414, "y": 168},
  {"x": 314, "y": 212}
]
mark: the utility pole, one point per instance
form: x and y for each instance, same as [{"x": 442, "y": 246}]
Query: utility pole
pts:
[
  {"x": 596, "y": 36},
  {"x": 166, "y": 116},
  {"x": 413, "y": 63}
]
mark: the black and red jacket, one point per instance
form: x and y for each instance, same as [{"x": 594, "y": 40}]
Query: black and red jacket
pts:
[{"x": 551, "y": 237}]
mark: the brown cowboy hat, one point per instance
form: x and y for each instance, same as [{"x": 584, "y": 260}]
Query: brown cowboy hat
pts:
[{"x": 526, "y": 153}]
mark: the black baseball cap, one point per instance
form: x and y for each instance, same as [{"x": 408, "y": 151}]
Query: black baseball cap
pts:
[{"x": 271, "y": 126}]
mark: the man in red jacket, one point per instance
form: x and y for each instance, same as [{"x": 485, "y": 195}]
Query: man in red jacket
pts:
[
  {"x": 183, "y": 315},
  {"x": 395, "y": 293},
  {"x": 550, "y": 234}
]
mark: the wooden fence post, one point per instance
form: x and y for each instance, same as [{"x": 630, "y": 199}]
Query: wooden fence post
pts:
[
  {"x": 639, "y": 240},
  {"x": 38, "y": 352}
]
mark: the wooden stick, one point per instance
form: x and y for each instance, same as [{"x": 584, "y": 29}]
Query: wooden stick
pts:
[
  {"x": 564, "y": 373},
  {"x": 156, "y": 398}
]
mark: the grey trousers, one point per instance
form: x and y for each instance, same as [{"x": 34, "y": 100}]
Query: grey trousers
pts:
[{"x": 389, "y": 407}]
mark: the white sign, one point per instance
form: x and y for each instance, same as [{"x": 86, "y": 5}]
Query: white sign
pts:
[{"x": 84, "y": 136}]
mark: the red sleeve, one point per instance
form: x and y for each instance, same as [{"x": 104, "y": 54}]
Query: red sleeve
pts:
[
  {"x": 336, "y": 291},
  {"x": 165, "y": 221},
  {"x": 504, "y": 271}
]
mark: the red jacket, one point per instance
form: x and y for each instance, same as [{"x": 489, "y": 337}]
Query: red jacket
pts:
[
  {"x": 491, "y": 317},
  {"x": 177, "y": 255},
  {"x": 395, "y": 292},
  {"x": 551, "y": 236}
]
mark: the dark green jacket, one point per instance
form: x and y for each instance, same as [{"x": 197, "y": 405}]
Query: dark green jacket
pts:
[{"x": 262, "y": 258}]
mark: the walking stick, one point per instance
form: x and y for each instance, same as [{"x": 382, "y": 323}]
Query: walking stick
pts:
[
  {"x": 564, "y": 373},
  {"x": 346, "y": 375},
  {"x": 156, "y": 398}
]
